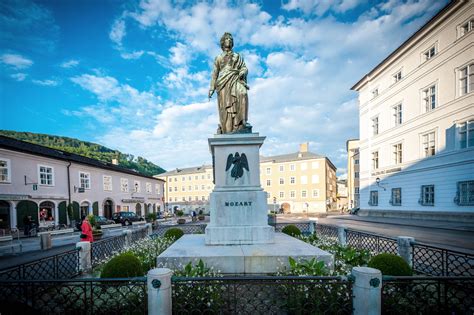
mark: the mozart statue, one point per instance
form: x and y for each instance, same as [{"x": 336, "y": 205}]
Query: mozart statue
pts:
[{"x": 229, "y": 78}]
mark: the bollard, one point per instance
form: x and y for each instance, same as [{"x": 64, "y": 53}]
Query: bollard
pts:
[
  {"x": 405, "y": 249},
  {"x": 45, "y": 241},
  {"x": 367, "y": 291},
  {"x": 159, "y": 291},
  {"x": 149, "y": 226},
  {"x": 341, "y": 235},
  {"x": 85, "y": 262},
  {"x": 128, "y": 237}
]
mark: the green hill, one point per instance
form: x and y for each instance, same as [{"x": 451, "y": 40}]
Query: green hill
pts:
[{"x": 88, "y": 149}]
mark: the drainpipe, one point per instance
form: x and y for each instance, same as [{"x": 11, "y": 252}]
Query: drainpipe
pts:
[{"x": 69, "y": 183}]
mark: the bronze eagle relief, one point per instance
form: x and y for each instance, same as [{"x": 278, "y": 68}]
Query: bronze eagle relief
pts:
[{"x": 238, "y": 162}]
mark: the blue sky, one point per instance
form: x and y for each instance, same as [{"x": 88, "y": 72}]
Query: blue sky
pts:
[{"x": 133, "y": 75}]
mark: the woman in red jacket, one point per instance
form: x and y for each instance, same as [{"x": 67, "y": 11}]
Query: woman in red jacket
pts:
[{"x": 87, "y": 231}]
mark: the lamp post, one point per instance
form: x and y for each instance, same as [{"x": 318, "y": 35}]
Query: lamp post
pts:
[{"x": 274, "y": 204}]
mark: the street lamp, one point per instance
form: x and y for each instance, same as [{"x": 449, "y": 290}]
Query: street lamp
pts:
[
  {"x": 307, "y": 206},
  {"x": 274, "y": 204}
]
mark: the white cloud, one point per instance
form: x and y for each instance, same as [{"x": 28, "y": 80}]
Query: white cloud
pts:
[
  {"x": 19, "y": 76},
  {"x": 319, "y": 7},
  {"x": 16, "y": 61},
  {"x": 180, "y": 54},
  {"x": 45, "y": 82},
  {"x": 118, "y": 32},
  {"x": 133, "y": 55},
  {"x": 69, "y": 64}
]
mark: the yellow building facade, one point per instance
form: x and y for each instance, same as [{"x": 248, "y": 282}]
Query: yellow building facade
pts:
[{"x": 300, "y": 182}]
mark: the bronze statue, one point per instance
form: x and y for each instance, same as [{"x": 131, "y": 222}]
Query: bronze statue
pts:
[{"x": 229, "y": 78}]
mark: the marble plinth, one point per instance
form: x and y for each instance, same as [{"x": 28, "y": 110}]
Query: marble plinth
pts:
[{"x": 240, "y": 259}]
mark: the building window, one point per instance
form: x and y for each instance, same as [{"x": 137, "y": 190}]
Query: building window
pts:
[
  {"x": 375, "y": 160},
  {"x": 356, "y": 190},
  {"x": 136, "y": 186},
  {"x": 375, "y": 126},
  {"x": 282, "y": 168},
  {"x": 268, "y": 171},
  {"x": 374, "y": 198},
  {"x": 315, "y": 193},
  {"x": 123, "y": 184},
  {"x": 203, "y": 176},
  {"x": 183, "y": 188},
  {"x": 175, "y": 199},
  {"x": 466, "y": 134},
  {"x": 170, "y": 189},
  {"x": 430, "y": 53},
  {"x": 466, "y": 27},
  {"x": 203, "y": 187},
  {"x": 46, "y": 175},
  {"x": 176, "y": 188},
  {"x": 5, "y": 171},
  {"x": 396, "y": 197},
  {"x": 397, "y": 114},
  {"x": 427, "y": 195},
  {"x": 208, "y": 176},
  {"x": 375, "y": 93},
  {"x": 314, "y": 165},
  {"x": 303, "y": 194},
  {"x": 304, "y": 166},
  {"x": 356, "y": 174},
  {"x": 466, "y": 79},
  {"x": 292, "y": 194},
  {"x": 148, "y": 188},
  {"x": 107, "y": 182},
  {"x": 315, "y": 179},
  {"x": 125, "y": 208},
  {"x": 183, "y": 178},
  {"x": 397, "y": 76},
  {"x": 190, "y": 178},
  {"x": 356, "y": 162},
  {"x": 157, "y": 189},
  {"x": 176, "y": 179},
  {"x": 196, "y": 198},
  {"x": 269, "y": 182},
  {"x": 282, "y": 194},
  {"x": 85, "y": 180},
  {"x": 428, "y": 144},
  {"x": 429, "y": 98},
  {"x": 196, "y": 187},
  {"x": 196, "y": 177},
  {"x": 292, "y": 167},
  {"x": 465, "y": 193},
  {"x": 203, "y": 198},
  {"x": 304, "y": 180},
  {"x": 282, "y": 181},
  {"x": 190, "y": 188},
  {"x": 292, "y": 180},
  {"x": 171, "y": 199},
  {"x": 397, "y": 153}
]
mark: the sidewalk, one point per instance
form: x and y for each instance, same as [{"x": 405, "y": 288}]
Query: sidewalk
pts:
[{"x": 452, "y": 226}]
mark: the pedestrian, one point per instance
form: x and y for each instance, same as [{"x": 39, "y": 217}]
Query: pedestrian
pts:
[
  {"x": 86, "y": 229},
  {"x": 26, "y": 225}
]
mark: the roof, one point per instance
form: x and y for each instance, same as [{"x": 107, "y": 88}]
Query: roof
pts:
[
  {"x": 408, "y": 41},
  {"x": 187, "y": 170},
  {"x": 36, "y": 149},
  {"x": 296, "y": 156}
]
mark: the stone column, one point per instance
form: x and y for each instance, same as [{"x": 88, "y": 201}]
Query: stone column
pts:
[
  {"x": 159, "y": 291},
  {"x": 128, "y": 237},
  {"x": 150, "y": 228},
  {"x": 367, "y": 291},
  {"x": 405, "y": 249},
  {"x": 341, "y": 235},
  {"x": 84, "y": 255}
]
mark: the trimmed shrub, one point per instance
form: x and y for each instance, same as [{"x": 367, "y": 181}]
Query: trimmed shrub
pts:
[
  {"x": 179, "y": 213},
  {"x": 291, "y": 230},
  {"x": 125, "y": 265},
  {"x": 390, "y": 265},
  {"x": 174, "y": 233}
]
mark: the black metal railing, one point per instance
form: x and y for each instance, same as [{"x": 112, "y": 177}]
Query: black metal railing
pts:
[
  {"x": 428, "y": 295},
  {"x": 376, "y": 244},
  {"x": 60, "y": 266},
  {"x": 328, "y": 232},
  {"x": 439, "y": 261},
  {"x": 160, "y": 230},
  {"x": 262, "y": 295},
  {"x": 105, "y": 248},
  {"x": 139, "y": 234},
  {"x": 84, "y": 296}
]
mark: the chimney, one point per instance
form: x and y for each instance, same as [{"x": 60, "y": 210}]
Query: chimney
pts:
[
  {"x": 115, "y": 161},
  {"x": 304, "y": 147}
]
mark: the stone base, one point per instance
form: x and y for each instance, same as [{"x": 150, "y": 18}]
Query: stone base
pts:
[
  {"x": 241, "y": 259},
  {"x": 239, "y": 235}
]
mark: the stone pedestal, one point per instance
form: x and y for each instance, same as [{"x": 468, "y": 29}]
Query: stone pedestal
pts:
[{"x": 238, "y": 204}]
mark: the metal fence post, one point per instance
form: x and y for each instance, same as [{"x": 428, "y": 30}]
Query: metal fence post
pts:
[
  {"x": 128, "y": 237},
  {"x": 149, "y": 226},
  {"x": 159, "y": 291},
  {"x": 85, "y": 261},
  {"x": 341, "y": 235},
  {"x": 405, "y": 249},
  {"x": 367, "y": 291}
]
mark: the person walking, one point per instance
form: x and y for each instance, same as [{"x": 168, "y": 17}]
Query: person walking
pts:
[
  {"x": 86, "y": 229},
  {"x": 26, "y": 225}
]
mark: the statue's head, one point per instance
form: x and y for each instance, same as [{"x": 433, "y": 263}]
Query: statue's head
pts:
[{"x": 227, "y": 36}]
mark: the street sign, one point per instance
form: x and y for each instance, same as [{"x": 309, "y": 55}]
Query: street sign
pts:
[{"x": 81, "y": 190}]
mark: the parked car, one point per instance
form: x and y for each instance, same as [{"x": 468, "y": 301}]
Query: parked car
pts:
[
  {"x": 126, "y": 218},
  {"x": 101, "y": 220}
]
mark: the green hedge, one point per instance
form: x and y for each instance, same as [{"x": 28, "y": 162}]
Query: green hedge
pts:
[
  {"x": 125, "y": 265},
  {"x": 390, "y": 265}
]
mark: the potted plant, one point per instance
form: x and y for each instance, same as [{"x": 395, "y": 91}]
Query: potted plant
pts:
[
  {"x": 201, "y": 215},
  {"x": 96, "y": 231},
  {"x": 180, "y": 214},
  {"x": 272, "y": 219}
]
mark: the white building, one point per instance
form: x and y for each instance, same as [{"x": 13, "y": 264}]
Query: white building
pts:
[
  {"x": 417, "y": 122},
  {"x": 35, "y": 179}
]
